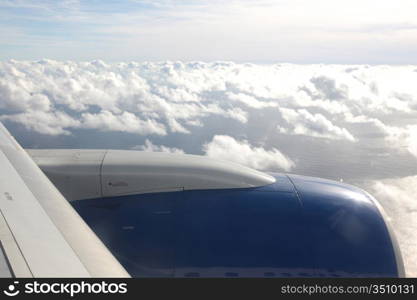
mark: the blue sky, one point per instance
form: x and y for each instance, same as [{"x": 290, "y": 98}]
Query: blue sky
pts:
[{"x": 262, "y": 31}]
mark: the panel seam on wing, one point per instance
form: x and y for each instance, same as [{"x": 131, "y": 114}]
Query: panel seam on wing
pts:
[{"x": 17, "y": 245}]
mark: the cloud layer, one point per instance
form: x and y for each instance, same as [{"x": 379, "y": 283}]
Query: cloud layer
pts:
[{"x": 330, "y": 102}]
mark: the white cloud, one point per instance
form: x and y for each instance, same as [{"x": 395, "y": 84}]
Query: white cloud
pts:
[
  {"x": 50, "y": 123},
  {"x": 250, "y": 101},
  {"x": 412, "y": 139},
  {"x": 397, "y": 196},
  {"x": 150, "y": 147},
  {"x": 326, "y": 88},
  {"x": 237, "y": 114},
  {"x": 397, "y": 137},
  {"x": 403, "y": 138},
  {"x": 227, "y": 148},
  {"x": 362, "y": 119},
  {"x": 125, "y": 122},
  {"x": 301, "y": 122}
]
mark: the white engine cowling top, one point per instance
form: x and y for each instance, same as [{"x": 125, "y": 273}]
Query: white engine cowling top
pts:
[{"x": 87, "y": 174}]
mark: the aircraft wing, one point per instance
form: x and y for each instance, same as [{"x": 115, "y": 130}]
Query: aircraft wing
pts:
[{"x": 40, "y": 233}]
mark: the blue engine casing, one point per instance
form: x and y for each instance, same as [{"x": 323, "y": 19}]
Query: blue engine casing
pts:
[{"x": 296, "y": 227}]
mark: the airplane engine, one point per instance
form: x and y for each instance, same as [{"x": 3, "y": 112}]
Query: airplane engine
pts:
[{"x": 170, "y": 215}]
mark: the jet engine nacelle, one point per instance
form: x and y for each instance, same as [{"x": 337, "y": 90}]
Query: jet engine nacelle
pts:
[{"x": 170, "y": 215}]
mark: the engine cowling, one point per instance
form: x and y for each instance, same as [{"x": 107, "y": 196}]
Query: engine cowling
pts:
[{"x": 189, "y": 216}]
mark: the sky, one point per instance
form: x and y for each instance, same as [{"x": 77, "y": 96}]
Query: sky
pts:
[
  {"x": 319, "y": 88},
  {"x": 257, "y": 31}
]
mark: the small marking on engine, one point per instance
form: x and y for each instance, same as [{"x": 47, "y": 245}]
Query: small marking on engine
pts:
[{"x": 8, "y": 196}]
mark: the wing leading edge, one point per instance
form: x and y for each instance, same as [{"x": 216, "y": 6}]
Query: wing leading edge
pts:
[{"x": 40, "y": 233}]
